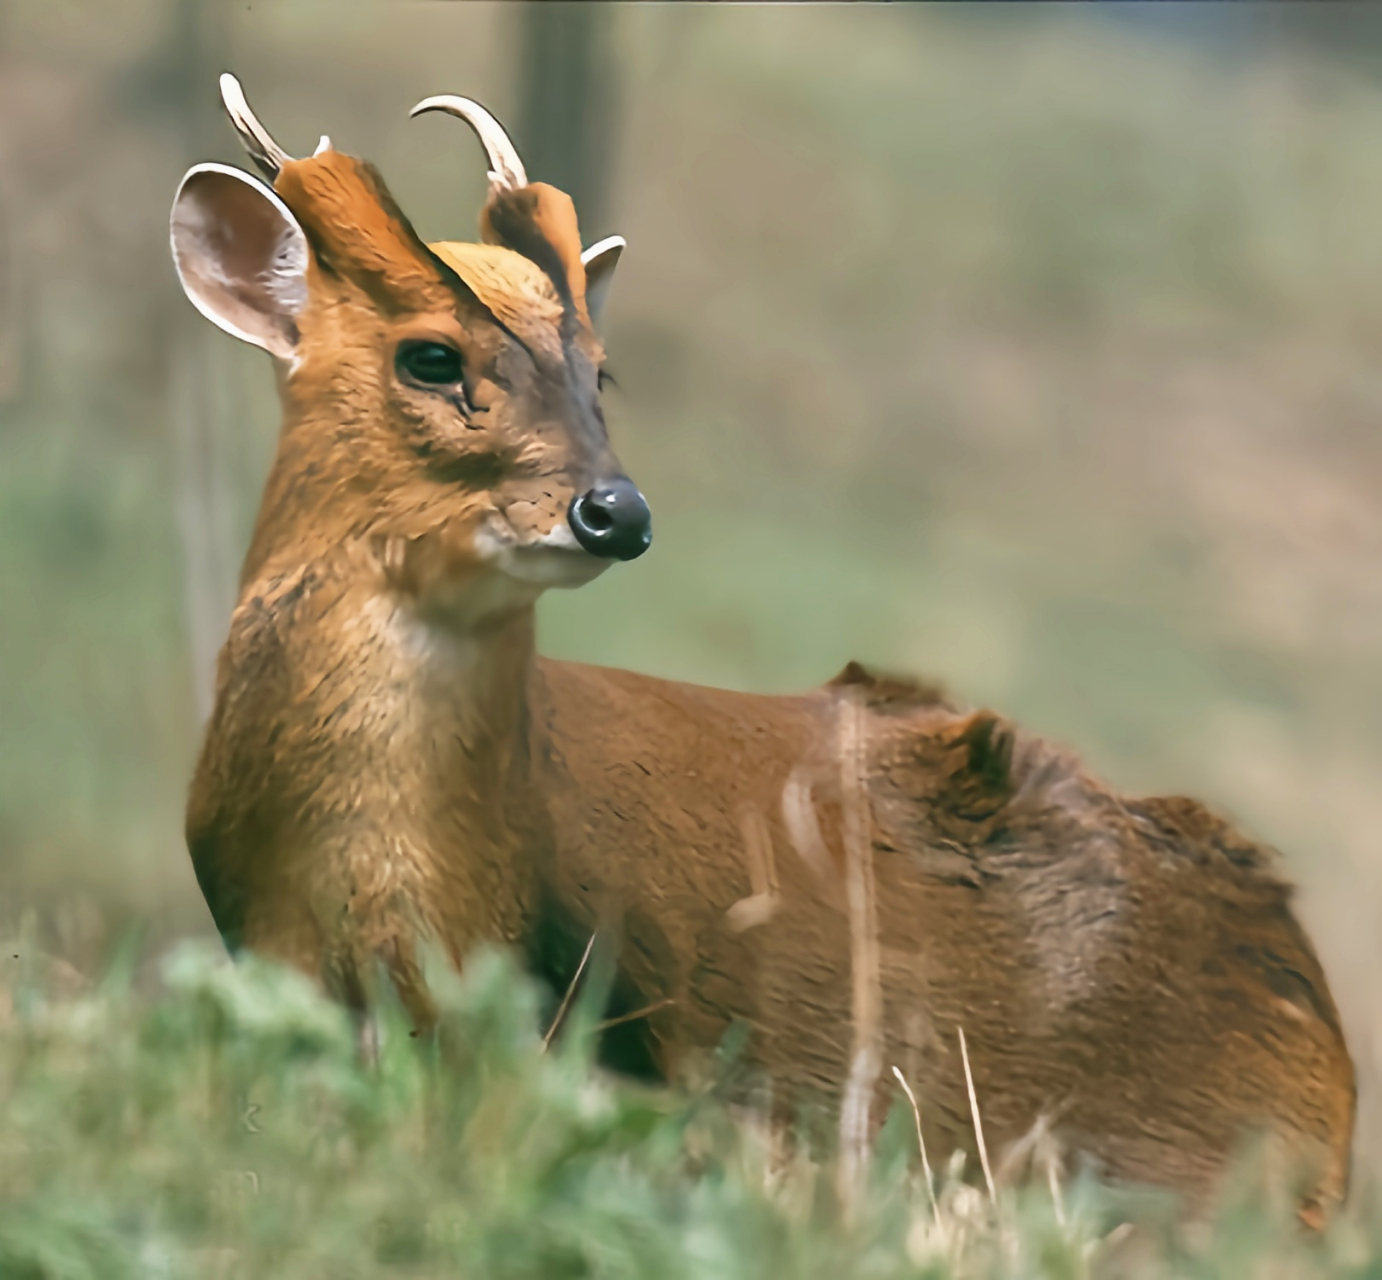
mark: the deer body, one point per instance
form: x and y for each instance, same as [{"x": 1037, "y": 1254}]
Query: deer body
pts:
[
  {"x": 1128, "y": 970},
  {"x": 856, "y": 873}
]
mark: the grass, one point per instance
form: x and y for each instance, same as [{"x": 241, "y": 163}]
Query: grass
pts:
[{"x": 219, "y": 1121}]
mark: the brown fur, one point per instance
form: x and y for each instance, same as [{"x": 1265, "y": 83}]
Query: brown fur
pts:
[
  {"x": 539, "y": 222},
  {"x": 389, "y": 761}
]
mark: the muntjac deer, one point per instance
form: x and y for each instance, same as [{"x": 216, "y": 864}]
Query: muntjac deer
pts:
[{"x": 858, "y": 874}]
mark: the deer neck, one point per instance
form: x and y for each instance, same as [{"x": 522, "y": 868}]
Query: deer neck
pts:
[
  {"x": 448, "y": 705},
  {"x": 453, "y": 753},
  {"x": 397, "y": 746}
]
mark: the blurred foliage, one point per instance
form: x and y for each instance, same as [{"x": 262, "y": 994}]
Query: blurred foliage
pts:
[
  {"x": 1030, "y": 348},
  {"x": 223, "y": 1124}
]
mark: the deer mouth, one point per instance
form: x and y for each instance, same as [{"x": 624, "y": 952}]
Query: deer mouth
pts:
[{"x": 552, "y": 559}]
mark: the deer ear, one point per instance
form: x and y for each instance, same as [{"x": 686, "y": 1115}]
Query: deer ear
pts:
[
  {"x": 241, "y": 256},
  {"x": 599, "y": 262}
]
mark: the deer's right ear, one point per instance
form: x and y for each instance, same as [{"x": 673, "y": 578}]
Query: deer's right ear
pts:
[
  {"x": 241, "y": 256},
  {"x": 599, "y": 262}
]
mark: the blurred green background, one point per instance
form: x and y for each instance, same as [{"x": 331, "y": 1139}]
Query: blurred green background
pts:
[{"x": 1034, "y": 349}]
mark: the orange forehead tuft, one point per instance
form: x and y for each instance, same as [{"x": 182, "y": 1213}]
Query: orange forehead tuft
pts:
[
  {"x": 517, "y": 292},
  {"x": 539, "y": 222},
  {"x": 354, "y": 225},
  {"x": 513, "y": 287}
]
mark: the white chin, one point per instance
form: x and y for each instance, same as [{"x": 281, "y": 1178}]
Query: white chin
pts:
[
  {"x": 555, "y": 560},
  {"x": 549, "y": 567}
]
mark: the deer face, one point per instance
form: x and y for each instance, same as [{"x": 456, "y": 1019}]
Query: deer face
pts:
[{"x": 442, "y": 403}]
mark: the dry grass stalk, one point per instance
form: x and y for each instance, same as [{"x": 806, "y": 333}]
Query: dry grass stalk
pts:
[
  {"x": 867, "y": 992},
  {"x": 570, "y": 994},
  {"x": 1053, "y": 1181},
  {"x": 921, "y": 1142},
  {"x": 974, "y": 1112},
  {"x": 635, "y": 1015}
]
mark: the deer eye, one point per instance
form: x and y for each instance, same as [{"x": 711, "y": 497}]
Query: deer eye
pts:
[{"x": 430, "y": 362}]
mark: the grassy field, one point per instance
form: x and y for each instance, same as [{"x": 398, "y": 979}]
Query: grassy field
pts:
[{"x": 218, "y": 1121}]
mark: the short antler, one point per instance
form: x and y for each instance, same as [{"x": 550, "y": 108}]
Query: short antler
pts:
[
  {"x": 264, "y": 151},
  {"x": 505, "y": 168}
]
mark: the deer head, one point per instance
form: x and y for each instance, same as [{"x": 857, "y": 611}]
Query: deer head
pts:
[{"x": 441, "y": 402}]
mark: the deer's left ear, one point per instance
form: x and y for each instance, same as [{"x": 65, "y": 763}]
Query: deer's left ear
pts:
[
  {"x": 241, "y": 256},
  {"x": 599, "y": 262}
]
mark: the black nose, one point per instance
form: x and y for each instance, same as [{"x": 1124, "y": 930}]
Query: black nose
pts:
[{"x": 612, "y": 520}]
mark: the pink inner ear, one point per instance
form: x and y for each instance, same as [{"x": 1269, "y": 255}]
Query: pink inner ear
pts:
[
  {"x": 243, "y": 232},
  {"x": 241, "y": 257}
]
